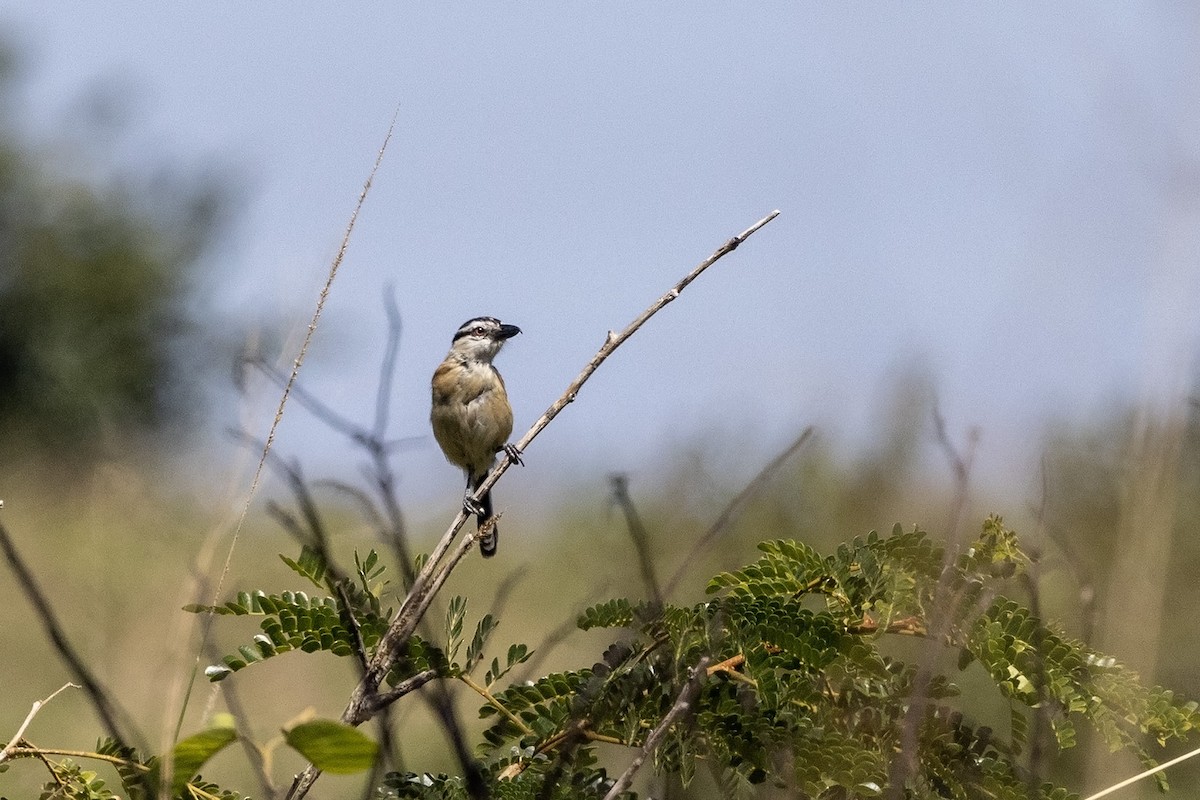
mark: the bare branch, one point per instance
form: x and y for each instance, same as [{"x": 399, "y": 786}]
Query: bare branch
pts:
[
  {"x": 206, "y": 626},
  {"x": 639, "y": 535},
  {"x": 406, "y": 686},
  {"x": 106, "y": 706},
  {"x": 735, "y": 506},
  {"x": 615, "y": 340},
  {"x": 1146, "y": 774},
  {"x": 961, "y": 464},
  {"x": 362, "y": 704},
  {"x": 404, "y": 623},
  {"x": 387, "y": 369},
  {"x": 315, "y": 406},
  {"x": 37, "y": 706},
  {"x": 611, "y": 343},
  {"x": 373, "y": 441},
  {"x": 683, "y": 705}
]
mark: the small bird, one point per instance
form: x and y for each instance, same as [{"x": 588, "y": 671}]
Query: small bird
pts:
[{"x": 471, "y": 416}]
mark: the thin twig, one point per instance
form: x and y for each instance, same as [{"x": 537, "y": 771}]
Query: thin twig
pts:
[
  {"x": 397, "y": 633},
  {"x": 639, "y": 535},
  {"x": 106, "y": 706},
  {"x": 387, "y": 369},
  {"x": 483, "y": 692},
  {"x": 577, "y": 731},
  {"x": 961, "y": 464},
  {"x": 374, "y": 440},
  {"x": 404, "y": 623},
  {"x": 735, "y": 506},
  {"x": 254, "y": 753},
  {"x": 37, "y": 706},
  {"x": 1140, "y": 775},
  {"x": 28, "y": 751},
  {"x": 406, "y": 686},
  {"x": 206, "y": 628},
  {"x": 433, "y": 574},
  {"x": 683, "y": 705},
  {"x": 307, "y": 400}
]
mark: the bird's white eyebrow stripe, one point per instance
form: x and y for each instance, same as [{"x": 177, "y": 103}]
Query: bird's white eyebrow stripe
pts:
[{"x": 467, "y": 326}]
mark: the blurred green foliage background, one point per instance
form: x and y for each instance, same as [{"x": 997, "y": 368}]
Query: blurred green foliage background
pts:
[
  {"x": 101, "y": 369},
  {"x": 98, "y": 341}
]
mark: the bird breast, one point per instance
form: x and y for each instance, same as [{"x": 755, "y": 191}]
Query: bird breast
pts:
[{"x": 471, "y": 415}]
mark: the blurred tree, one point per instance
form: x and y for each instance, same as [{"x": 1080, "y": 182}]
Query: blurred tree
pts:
[{"x": 93, "y": 301}]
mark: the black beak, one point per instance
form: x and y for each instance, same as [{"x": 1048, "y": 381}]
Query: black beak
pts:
[{"x": 507, "y": 331}]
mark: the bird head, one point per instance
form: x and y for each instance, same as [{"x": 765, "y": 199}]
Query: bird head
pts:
[{"x": 482, "y": 337}]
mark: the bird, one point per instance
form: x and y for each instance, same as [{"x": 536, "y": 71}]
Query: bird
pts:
[{"x": 471, "y": 416}]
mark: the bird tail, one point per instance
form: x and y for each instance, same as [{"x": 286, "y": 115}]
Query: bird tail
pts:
[{"x": 487, "y": 545}]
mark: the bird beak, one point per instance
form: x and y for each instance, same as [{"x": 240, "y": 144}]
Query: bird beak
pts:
[{"x": 507, "y": 332}]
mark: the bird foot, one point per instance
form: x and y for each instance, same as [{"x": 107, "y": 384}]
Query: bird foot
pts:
[
  {"x": 514, "y": 455},
  {"x": 473, "y": 506}
]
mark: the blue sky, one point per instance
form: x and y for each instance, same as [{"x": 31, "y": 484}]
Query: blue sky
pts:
[{"x": 1008, "y": 195}]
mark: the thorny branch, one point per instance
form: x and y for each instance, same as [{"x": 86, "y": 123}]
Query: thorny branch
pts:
[{"x": 363, "y": 703}]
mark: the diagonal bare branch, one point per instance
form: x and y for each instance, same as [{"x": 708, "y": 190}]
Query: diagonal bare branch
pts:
[
  {"x": 404, "y": 623},
  {"x": 611, "y": 343},
  {"x": 683, "y": 706},
  {"x": 114, "y": 718},
  {"x": 362, "y": 704},
  {"x": 322, "y": 297},
  {"x": 639, "y": 535},
  {"x": 735, "y": 506}
]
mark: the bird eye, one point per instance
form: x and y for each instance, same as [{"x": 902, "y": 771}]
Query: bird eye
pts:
[{"x": 478, "y": 331}]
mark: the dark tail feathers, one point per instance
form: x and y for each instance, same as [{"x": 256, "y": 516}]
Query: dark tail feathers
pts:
[{"x": 487, "y": 545}]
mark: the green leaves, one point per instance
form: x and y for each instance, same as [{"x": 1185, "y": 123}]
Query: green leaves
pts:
[
  {"x": 456, "y": 614},
  {"x": 310, "y": 565},
  {"x": 193, "y": 752},
  {"x": 517, "y": 654},
  {"x": 800, "y": 688},
  {"x": 350, "y": 621},
  {"x": 613, "y": 614},
  {"x": 796, "y": 640},
  {"x": 787, "y": 568},
  {"x": 332, "y": 746},
  {"x": 142, "y": 779},
  {"x": 292, "y": 621},
  {"x": 73, "y": 782}
]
